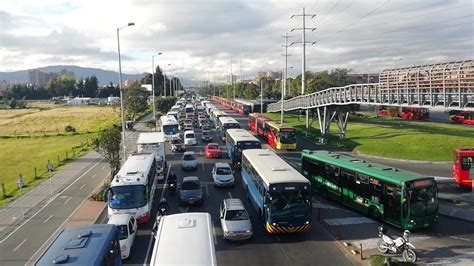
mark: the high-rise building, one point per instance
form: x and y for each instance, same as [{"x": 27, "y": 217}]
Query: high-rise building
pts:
[
  {"x": 268, "y": 74},
  {"x": 38, "y": 77}
]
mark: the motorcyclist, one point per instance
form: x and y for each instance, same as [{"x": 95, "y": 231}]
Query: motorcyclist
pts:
[
  {"x": 172, "y": 179},
  {"x": 163, "y": 207}
]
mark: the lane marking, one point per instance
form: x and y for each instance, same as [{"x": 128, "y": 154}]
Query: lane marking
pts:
[
  {"x": 230, "y": 195},
  {"x": 83, "y": 185},
  {"x": 94, "y": 176},
  {"x": 17, "y": 247},
  {"x": 53, "y": 198},
  {"x": 462, "y": 238},
  {"x": 68, "y": 199},
  {"x": 214, "y": 233},
  {"x": 202, "y": 166},
  {"x": 60, "y": 227},
  {"x": 103, "y": 167},
  {"x": 47, "y": 219}
]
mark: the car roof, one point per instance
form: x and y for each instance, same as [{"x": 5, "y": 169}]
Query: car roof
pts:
[
  {"x": 190, "y": 178},
  {"x": 189, "y": 131},
  {"x": 234, "y": 204},
  {"x": 119, "y": 219},
  {"x": 226, "y": 165},
  {"x": 189, "y": 152},
  {"x": 213, "y": 143}
]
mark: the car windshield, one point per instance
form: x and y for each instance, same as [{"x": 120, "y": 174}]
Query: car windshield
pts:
[
  {"x": 213, "y": 147},
  {"x": 127, "y": 197},
  {"x": 189, "y": 136},
  {"x": 223, "y": 171},
  {"x": 288, "y": 137},
  {"x": 205, "y": 134},
  {"x": 236, "y": 215},
  {"x": 423, "y": 201},
  {"x": 123, "y": 231},
  {"x": 190, "y": 185},
  {"x": 189, "y": 157},
  {"x": 290, "y": 204}
]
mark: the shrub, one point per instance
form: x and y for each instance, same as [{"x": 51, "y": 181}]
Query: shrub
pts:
[{"x": 69, "y": 129}]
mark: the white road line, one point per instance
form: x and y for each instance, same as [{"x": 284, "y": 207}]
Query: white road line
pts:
[
  {"x": 83, "y": 185},
  {"x": 47, "y": 242},
  {"x": 230, "y": 195},
  {"x": 462, "y": 238},
  {"x": 148, "y": 250},
  {"x": 214, "y": 234},
  {"x": 47, "y": 219},
  {"x": 103, "y": 167},
  {"x": 68, "y": 199},
  {"x": 94, "y": 176},
  {"x": 57, "y": 195},
  {"x": 202, "y": 166},
  {"x": 17, "y": 247}
]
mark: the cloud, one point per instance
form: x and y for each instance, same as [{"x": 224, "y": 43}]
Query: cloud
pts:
[{"x": 200, "y": 37}]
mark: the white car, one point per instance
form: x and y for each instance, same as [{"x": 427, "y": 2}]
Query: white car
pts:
[
  {"x": 189, "y": 138},
  {"x": 235, "y": 220},
  {"x": 222, "y": 175},
  {"x": 127, "y": 228},
  {"x": 189, "y": 160}
]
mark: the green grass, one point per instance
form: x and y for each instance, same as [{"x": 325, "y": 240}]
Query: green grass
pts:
[
  {"x": 48, "y": 141},
  {"x": 394, "y": 138}
]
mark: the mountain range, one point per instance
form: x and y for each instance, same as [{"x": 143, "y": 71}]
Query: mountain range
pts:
[{"x": 104, "y": 76}]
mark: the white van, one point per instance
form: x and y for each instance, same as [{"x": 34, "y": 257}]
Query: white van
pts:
[
  {"x": 127, "y": 228},
  {"x": 185, "y": 239},
  {"x": 190, "y": 138}
]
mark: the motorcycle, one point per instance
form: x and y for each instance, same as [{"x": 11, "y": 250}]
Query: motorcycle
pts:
[
  {"x": 161, "y": 213},
  {"x": 396, "y": 246},
  {"x": 172, "y": 186}
]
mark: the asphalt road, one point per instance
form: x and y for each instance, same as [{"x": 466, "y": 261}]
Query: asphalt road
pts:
[
  {"x": 22, "y": 243},
  {"x": 312, "y": 248}
]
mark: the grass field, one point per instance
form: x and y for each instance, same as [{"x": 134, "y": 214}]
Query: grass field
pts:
[
  {"x": 394, "y": 138},
  {"x": 48, "y": 140}
]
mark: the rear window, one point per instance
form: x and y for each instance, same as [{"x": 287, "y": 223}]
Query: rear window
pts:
[
  {"x": 190, "y": 185},
  {"x": 223, "y": 171},
  {"x": 189, "y": 136},
  {"x": 213, "y": 147}
]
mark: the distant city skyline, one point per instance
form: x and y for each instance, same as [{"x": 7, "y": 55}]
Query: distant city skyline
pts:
[{"x": 199, "y": 38}]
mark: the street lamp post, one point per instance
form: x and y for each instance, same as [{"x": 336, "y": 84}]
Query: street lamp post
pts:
[
  {"x": 121, "y": 92},
  {"x": 153, "y": 84}
]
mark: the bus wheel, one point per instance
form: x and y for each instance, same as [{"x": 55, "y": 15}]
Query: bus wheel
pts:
[{"x": 374, "y": 213}]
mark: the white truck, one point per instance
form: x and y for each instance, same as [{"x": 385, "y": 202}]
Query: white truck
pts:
[{"x": 154, "y": 142}]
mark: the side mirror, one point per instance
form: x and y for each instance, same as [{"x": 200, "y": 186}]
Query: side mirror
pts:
[
  {"x": 105, "y": 195},
  {"x": 221, "y": 216}
]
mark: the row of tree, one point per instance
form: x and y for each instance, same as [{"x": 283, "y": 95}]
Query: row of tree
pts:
[{"x": 315, "y": 81}]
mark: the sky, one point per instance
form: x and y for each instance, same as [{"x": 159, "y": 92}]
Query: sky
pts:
[{"x": 206, "y": 39}]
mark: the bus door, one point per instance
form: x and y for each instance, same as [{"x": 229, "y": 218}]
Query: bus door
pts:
[
  {"x": 392, "y": 204},
  {"x": 347, "y": 181}
]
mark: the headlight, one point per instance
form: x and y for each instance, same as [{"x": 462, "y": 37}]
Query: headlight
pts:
[
  {"x": 307, "y": 222},
  {"x": 274, "y": 224},
  {"x": 248, "y": 231}
]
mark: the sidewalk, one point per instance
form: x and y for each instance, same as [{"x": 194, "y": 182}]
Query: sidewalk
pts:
[{"x": 34, "y": 200}]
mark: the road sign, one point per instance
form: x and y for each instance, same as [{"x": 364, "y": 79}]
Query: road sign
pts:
[{"x": 50, "y": 167}]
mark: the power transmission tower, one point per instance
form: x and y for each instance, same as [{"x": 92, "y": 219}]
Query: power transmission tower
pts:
[{"x": 303, "y": 55}]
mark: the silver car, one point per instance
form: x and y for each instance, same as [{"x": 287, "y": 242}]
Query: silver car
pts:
[
  {"x": 235, "y": 221},
  {"x": 222, "y": 175},
  {"x": 189, "y": 160}
]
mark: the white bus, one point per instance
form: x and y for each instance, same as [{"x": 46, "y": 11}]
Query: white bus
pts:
[
  {"x": 215, "y": 115},
  {"x": 154, "y": 142},
  {"x": 225, "y": 123},
  {"x": 169, "y": 126},
  {"x": 280, "y": 194},
  {"x": 185, "y": 239},
  {"x": 189, "y": 109},
  {"x": 133, "y": 187},
  {"x": 237, "y": 140}
]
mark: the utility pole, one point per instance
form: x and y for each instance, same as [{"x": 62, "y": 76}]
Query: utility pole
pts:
[
  {"x": 286, "y": 36},
  {"x": 282, "y": 98},
  {"x": 303, "y": 55},
  {"x": 232, "y": 79},
  {"x": 240, "y": 70}
]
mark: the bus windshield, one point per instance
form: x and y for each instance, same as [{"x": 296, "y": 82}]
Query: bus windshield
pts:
[
  {"x": 423, "y": 200},
  {"x": 288, "y": 137},
  {"x": 467, "y": 162},
  {"x": 243, "y": 145},
  {"x": 170, "y": 129},
  {"x": 290, "y": 204},
  {"x": 128, "y": 197},
  {"x": 230, "y": 125}
]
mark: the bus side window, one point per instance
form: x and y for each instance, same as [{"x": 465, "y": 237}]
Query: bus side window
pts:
[
  {"x": 362, "y": 185},
  {"x": 332, "y": 173},
  {"x": 347, "y": 179},
  {"x": 375, "y": 190}
]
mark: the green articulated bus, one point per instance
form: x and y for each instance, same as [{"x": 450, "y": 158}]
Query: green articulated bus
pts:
[{"x": 405, "y": 199}]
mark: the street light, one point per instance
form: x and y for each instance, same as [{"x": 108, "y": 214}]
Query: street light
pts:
[
  {"x": 153, "y": 84},
  {"x": 120, "y": 88}
]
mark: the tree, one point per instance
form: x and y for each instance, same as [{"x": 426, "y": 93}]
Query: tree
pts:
[
  {"x": 61, "y": 85},
  {"x": 136, "y": 100},
  {"x": 108, "y": 144},
  {"x": 90, "y": 86}
]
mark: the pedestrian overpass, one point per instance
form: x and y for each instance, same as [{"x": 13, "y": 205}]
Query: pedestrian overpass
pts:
[{"x": 445, "y": 86}]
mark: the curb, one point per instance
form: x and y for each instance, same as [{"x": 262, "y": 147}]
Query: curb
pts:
[{"x": 101, "y": 215}]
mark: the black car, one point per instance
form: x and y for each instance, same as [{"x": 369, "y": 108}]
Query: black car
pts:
[
  {"x": 177, "y": 145},
  {"x": 191, "y": 191},
  {"x": 206, "y": 136}
]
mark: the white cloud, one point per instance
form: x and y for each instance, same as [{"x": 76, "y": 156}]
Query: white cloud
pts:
[{"x": 200, "y": 37}]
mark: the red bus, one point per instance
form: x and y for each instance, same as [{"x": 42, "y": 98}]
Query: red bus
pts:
[
  {"x": 253, "y": 122},
  {"x": 463, "y": 170},
  {"x": 412, "y": 113},
  {"x": 462, "y": 117}
]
